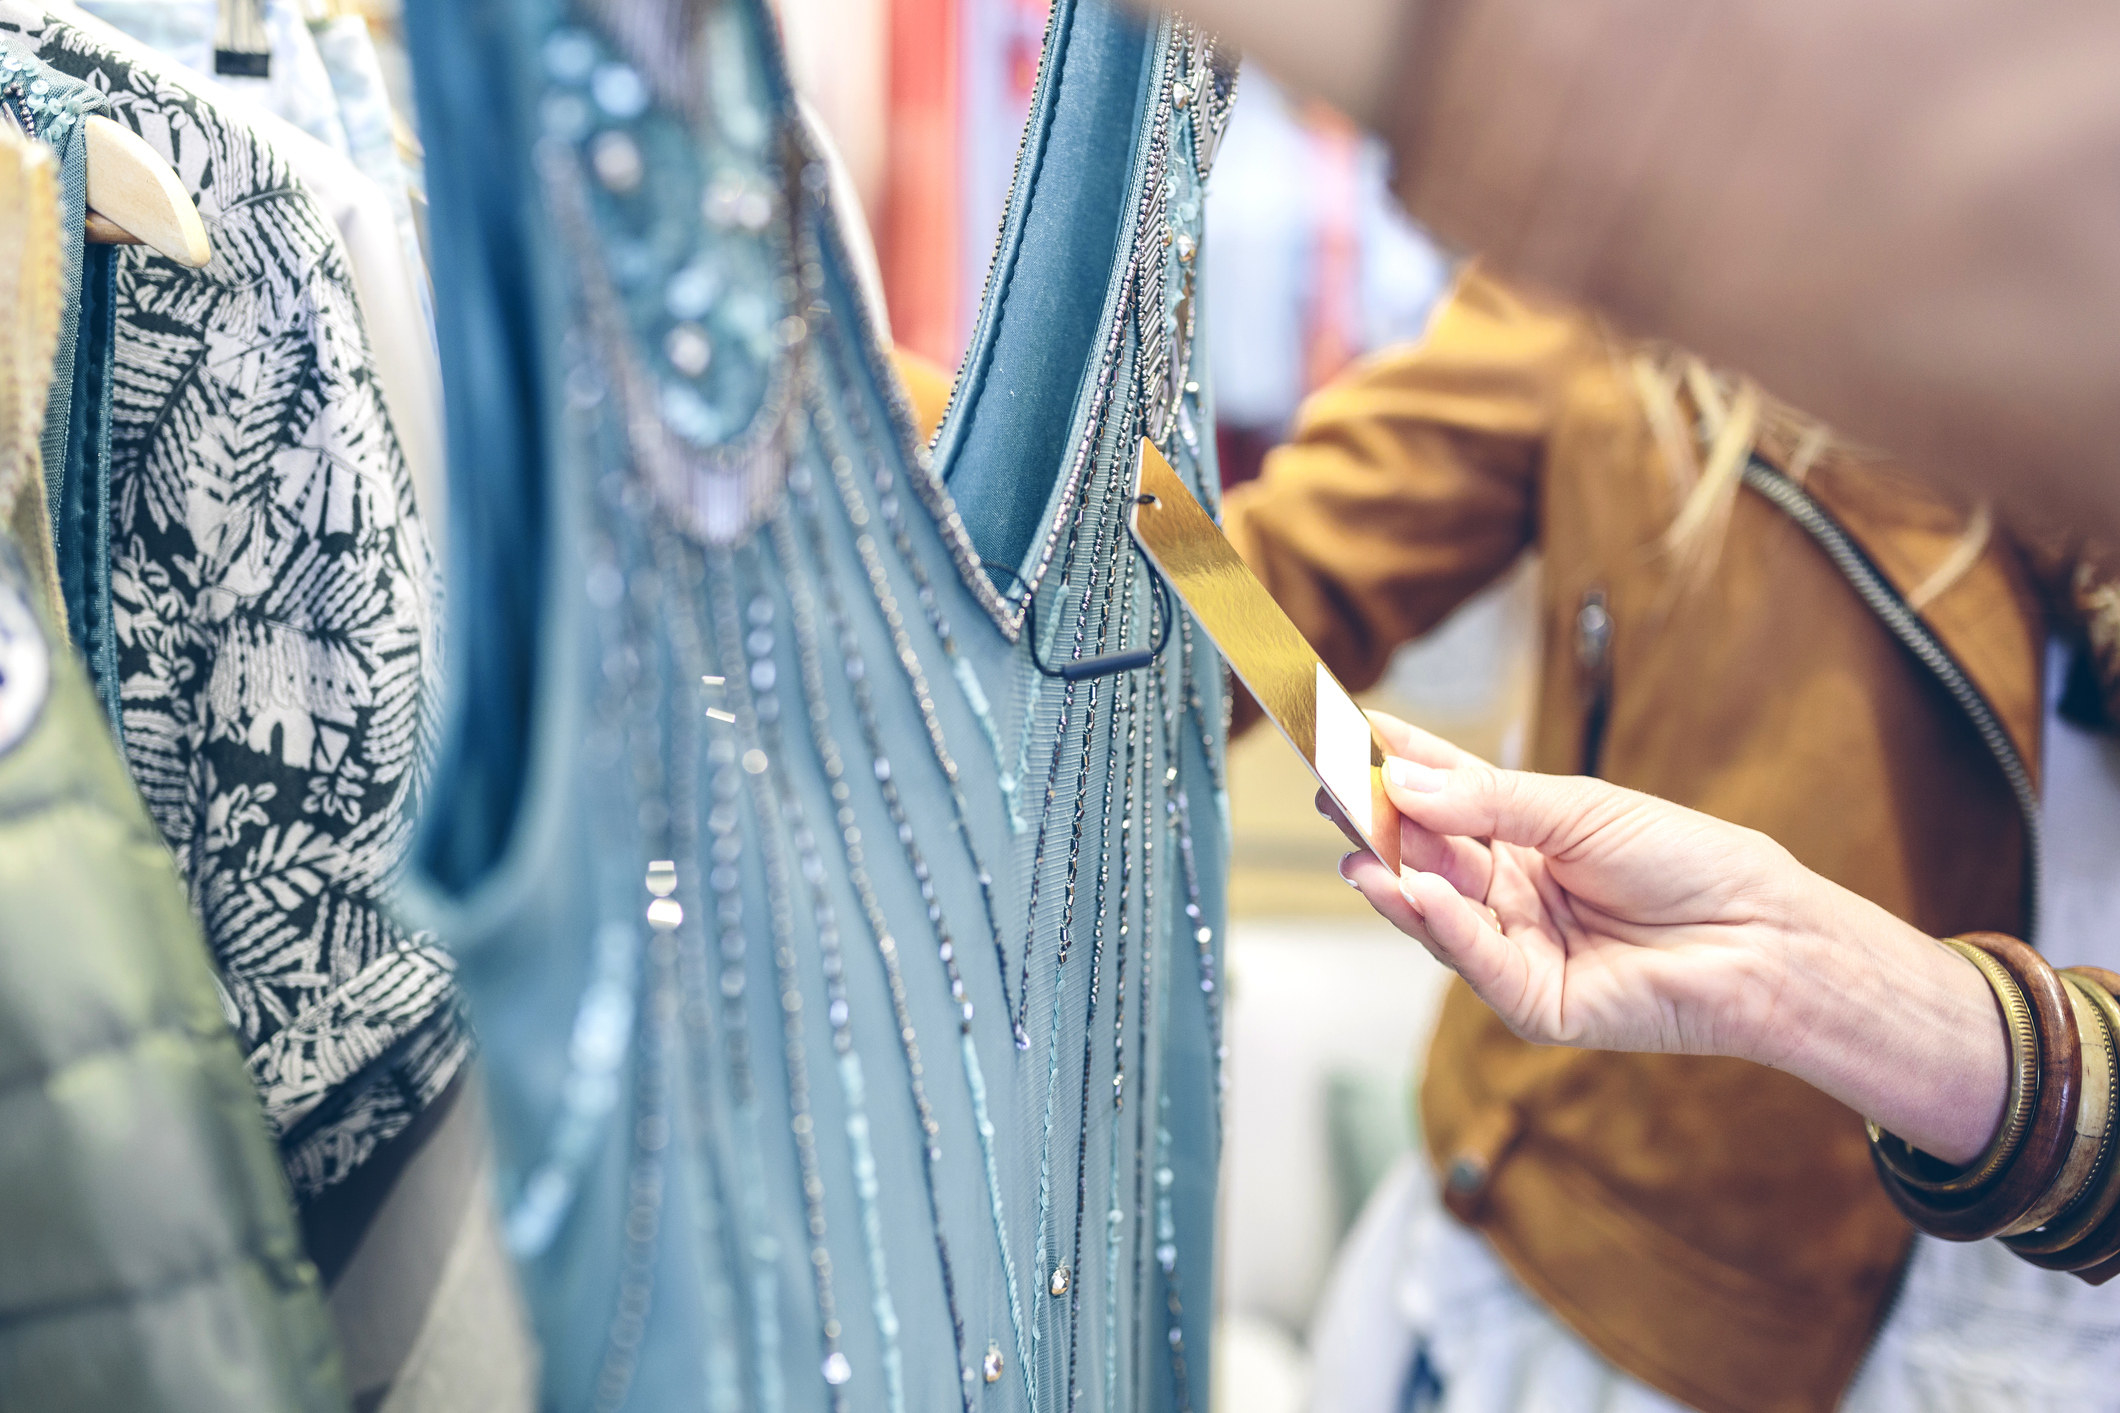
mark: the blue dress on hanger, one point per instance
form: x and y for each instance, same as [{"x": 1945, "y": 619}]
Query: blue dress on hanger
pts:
[{"x": 848, "y": 985}]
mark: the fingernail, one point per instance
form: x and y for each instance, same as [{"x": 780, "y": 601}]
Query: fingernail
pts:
[
  {"x": 1406, "y": 876},
  {"x": 1412, "y": 775},
  {"x": 1346, "y": 859}
]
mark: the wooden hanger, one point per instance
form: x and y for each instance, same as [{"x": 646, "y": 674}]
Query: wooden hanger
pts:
[{"x": 135, "y": 199}]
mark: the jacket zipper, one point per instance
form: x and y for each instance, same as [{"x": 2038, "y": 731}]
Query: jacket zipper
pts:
[
  {"x": 1906, "y": 625},
  {"x": 1884, "y": 601}
]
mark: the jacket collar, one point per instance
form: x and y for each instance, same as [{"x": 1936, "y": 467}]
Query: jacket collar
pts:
[{"x": 1971, "y": 590}]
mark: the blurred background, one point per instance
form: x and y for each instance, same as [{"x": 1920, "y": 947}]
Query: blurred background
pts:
[{"x": 1309, "y": 265}]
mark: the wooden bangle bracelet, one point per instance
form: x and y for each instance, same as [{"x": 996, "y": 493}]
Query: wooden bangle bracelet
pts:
[
  {"x": 1935, "y": 1177},
  {"x": 2093, "y": 1114},
  {"x": 2052, "y": 1131},
  {"x": 2089, "y": 1234}
]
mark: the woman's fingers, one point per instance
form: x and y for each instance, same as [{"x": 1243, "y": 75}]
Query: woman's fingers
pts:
[
  {"x": 1462, "y": 933},
  {"x": 1467, "y": 864},
  {"x": 1550, "y": 813},
  {"x": 1459, "y": 933},
  {"x": 1410, "y": 742},
  {"x": 1381, "y": 887},
  {"x": 1330, "y": 808}
]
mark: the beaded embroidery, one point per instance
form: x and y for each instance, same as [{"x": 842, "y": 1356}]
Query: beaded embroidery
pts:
[{"x": 798, "y": 843}]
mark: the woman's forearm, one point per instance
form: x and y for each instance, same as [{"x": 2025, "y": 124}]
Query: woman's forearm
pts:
[
  {"x": 1587, "y": 914},
  {"x": 1891, "y": 1023}
]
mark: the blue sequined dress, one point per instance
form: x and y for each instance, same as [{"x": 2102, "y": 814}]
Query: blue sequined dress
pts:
[{"x": 847, "y": 984}]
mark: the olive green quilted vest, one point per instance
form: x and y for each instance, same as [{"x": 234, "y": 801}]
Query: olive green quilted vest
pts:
[{"x": 149, "y": 1258}]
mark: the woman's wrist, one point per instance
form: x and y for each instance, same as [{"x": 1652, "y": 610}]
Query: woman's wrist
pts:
[{"x": 1890, "y": 1022}]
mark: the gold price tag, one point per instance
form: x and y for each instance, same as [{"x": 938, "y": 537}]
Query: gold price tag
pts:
[{"x": 1267, "y": 651}]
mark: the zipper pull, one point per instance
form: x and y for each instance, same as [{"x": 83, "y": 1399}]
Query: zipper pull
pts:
[{"x": 1593, "y": 661}]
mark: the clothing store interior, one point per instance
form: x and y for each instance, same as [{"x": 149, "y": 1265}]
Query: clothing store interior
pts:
[{"x": 683, "y": 686}]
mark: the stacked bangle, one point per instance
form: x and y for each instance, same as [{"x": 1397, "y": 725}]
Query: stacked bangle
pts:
[
  {"x": 1924, "y": 1174},
  {"x": 2093, "y": 1116},
  {"x": 2038, "y": 1143},
  {"x": 2083, "y": 1234}
]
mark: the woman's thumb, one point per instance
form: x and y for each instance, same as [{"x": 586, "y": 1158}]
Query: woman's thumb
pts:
[{"x": 1549, "y": 813}]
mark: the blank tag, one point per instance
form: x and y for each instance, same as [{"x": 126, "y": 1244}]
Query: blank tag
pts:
[{"x": 1314, "y": 712}]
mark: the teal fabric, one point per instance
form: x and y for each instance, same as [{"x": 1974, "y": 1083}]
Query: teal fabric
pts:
[
  {"x": 848, "y": 990},
  {"x": 151, "y": 1258},
  {"x": 81, "y": 511},
  {"x": 76, "y": 449},
  {"x": 1038, "y": 327}
]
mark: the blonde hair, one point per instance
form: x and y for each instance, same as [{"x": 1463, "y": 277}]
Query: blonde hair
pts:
[{"x": 1706, "y": 425}]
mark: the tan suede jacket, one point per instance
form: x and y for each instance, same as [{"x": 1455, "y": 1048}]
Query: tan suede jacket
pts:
[{"x": 1711, "y": 1226}]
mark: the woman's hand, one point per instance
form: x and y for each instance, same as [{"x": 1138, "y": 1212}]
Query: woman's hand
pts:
[
  {"x": 1585, "y": 914},
  {"x": 1589, "y": 915}
]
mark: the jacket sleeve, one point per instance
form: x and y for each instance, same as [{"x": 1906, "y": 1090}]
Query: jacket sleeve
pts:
[
  {"x": 927, "y": 389},
  {"x": 1411, "y": 482},
  {"x": 1900, "y": 217}
]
